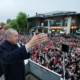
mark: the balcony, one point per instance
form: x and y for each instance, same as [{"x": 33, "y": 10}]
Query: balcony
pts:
[{"x": 39, "y": 72}]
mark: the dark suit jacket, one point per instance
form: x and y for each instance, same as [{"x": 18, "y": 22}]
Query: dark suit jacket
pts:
[
  {"x": 1, "y": 71},
  {"x": 11, "y": 58}
]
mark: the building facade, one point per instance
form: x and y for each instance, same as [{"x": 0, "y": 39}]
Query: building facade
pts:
[{"x": 55, "y": 22}]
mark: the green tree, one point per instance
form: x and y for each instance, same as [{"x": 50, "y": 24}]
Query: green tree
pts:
[
  {"x": 22, "y": 22},
  {"x": 8, "y": 20},
  {"x": 2, "y": 23},
  {"x": 6, "y": 27},
  {"x": 14, "y": 24}
]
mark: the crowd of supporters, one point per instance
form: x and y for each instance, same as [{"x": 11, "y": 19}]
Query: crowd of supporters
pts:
[{"x": 50, "y": 55}]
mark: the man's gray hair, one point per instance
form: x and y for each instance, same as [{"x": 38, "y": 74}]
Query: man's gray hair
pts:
[{"x": 8, "y": 32}]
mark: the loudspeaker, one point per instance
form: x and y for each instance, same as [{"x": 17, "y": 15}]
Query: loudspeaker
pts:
[{"x": 65, "y": 48}]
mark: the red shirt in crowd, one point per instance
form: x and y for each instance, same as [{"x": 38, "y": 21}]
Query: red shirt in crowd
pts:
[{"x": 35, "y": 54}]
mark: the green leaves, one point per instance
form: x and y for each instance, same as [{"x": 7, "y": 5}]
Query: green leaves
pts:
[
  {"x": 2, "y": 23},
  {"x": 8, "y": 20},
  {"x": 22, "y": 21},
  {"x": 6, "y": 27},
  {"x": 14, "y": 24}
]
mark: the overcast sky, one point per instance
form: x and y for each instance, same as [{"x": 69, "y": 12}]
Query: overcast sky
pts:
[{"x": 11, "y": 8}]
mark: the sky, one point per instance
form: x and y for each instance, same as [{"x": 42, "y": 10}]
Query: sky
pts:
[{"x": 11, "y": 8}]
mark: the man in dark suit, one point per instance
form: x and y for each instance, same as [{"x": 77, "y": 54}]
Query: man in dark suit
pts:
[
  {"x": 12, "y": 57},
  {"x": 1, "y": 71}
]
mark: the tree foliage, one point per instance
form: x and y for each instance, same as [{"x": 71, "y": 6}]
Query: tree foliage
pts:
[
  {"x": 6, "y": 27},
  {"x": 8, "y": 20},
  {"x": 22, "y": 21},
  {"x": 2, "y": 23},
  {"x": 14, "y": 24}
]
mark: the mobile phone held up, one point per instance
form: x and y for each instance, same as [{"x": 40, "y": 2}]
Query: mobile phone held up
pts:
[{"x": 33, "y": 32}]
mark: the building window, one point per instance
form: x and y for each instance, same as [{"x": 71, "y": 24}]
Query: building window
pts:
[
  {"x": 45, "y": 23},
  {"x": 34, "y": 24},
  {"x": 77, "y": 23},
  {"x": 53, "y": 23},
  {"x": 37, "y": 23},
  {"x": 57, "y": 23},
  {"x": 73, "y": 22},
  {"x": 65, "y": 22}
]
